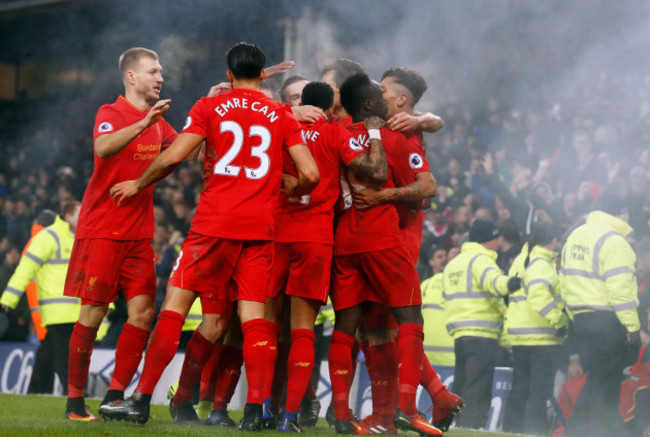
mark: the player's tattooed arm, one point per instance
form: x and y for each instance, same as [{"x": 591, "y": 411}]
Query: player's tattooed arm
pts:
[
  {"x": 413, "y": 194},
  {"x": 164, "y": 164},
  {"x": 108, "y": 145},
  {"x": 372, "y": 166},
  {"x": 425, "y": 121}
]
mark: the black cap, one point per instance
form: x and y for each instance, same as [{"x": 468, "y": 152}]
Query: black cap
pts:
[{"x": 483, "y": 230}]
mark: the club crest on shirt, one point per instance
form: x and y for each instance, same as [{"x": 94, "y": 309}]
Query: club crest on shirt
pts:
[
  {"x": 415, "y": 161},
  {"x": 188, "y": 122},
  {"x": 105, "y": 127},
  {"x": 354, "y": 145}
]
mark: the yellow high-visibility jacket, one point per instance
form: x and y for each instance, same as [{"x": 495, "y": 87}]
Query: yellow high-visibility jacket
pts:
[
  {"x": 438, "y": 344},
  {"x": 194, "y": 316},
  {"x": 597, "y": 271},
  {"x": 535, "y": 311},
  {"x": 46, "y": 259},
  {"x": 473, "y": 288}
]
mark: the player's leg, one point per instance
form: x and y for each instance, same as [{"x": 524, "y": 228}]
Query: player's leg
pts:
[
  {"x": 229, "y": 371},
  {"x": 162, "y": 348},
  {"x": 138, "y": 284},
  {"x": 301, "y": 358},
  {"x": 197, "y": 353},
  {"x": 251, "y": 275},
  {"x": 395, "y": 283},
  {"x": 93, "y": 275}
]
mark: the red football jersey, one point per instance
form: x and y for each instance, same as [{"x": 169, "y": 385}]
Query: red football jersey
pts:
[
  {"x": 309, "y": 219},
  {"x": 411, "y": 222},
  {"x": 100, "y": 217},
  {"x": 245, "y": 133},
  {"x": 376, "y": 228}
]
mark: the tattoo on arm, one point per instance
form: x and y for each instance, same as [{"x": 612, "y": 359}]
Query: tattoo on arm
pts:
[
  {"x": 407, "y": 192},
  {"x": 371, "y": 166}
]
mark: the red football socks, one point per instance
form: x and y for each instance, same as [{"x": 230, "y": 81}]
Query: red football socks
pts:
[
  {"x": 430, "y": 379},
  {"x": 209, "y": 375},
  {"x": 128, "y": 354},
  {"x": 197, "y": 354},
  {"x": 81, "y": 348},
  {"x": 257, "y": 353},
  {"x": 383, "y": 378},
  {"x": 341, "y": 373},
  {"x": 409, "y": 353},
  {"x": 161, "y": 350},
  {"x": 301, "y": 365},
  {"x": 229, "y": 371},
  {"x": 273, "y": 358}
]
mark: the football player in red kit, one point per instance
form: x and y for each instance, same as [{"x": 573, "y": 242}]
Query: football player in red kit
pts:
[
  {"x": 229, "y": 246},
  {"x": 304, "y": 238},
  {"x": 402, "y": 89},
  {"x": 372, "y": 264},
  {"x": 112, "y": 249}
]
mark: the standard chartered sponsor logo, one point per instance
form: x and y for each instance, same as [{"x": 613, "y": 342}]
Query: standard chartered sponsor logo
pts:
[{"x": 23, "y": 360}]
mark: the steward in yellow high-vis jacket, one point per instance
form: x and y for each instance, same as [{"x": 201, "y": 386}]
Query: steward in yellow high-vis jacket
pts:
[
  {"x": 600, "y": 291},
  {"x": 537, "y": 326},
  {"x": 438, "y": 344},
  {"x": 47, "y": 260},
  {"x": 474, "y": 288}
]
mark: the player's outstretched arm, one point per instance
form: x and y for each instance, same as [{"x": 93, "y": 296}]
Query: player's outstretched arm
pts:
[
  {"x": 111, "y": 144},
  {"x": 405, "y": 122},
  {"x": 372, "y": 166},
  {"x": 164, "y": 164},
  {"x": 308, "y": 174},
  {"x": 424, "y": 187}
]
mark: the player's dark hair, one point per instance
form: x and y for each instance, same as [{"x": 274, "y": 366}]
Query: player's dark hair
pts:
[
  {"x": 132, "y": 55},
  {"x": 543, "y": 233},
  {"x": 69, "y": 207},
  {"x": 343, "y": 69},
  {"x": 245, "y": 60},
  {"x": 318, "y": 94},
  {"x": 354, "y": 92},
  {"x": 411, "y": 79},
  {"x": 288, "y": 82}
]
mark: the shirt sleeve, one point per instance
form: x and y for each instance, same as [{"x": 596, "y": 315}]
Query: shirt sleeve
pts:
[
  {"x": 347, "y": 147},
  {"x": 399, "y": 161},
  {"x": 292, "y": 129},
  {"x": 40, "y": 250},
  {"x": 197, "y": 120},
  {"x": 490, "y": 277},
  {"x": 417, "y": 161},
  {"x": 107, "y": 121}
]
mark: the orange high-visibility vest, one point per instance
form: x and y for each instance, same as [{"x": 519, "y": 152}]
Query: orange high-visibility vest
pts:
[{"x": 32, "y": 295}]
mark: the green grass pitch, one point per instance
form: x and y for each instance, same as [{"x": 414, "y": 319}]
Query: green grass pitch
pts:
[{"x": 31, "y": 415}]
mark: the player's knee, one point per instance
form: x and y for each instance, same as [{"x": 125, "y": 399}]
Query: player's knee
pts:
[
  {"x": 411, "y": 314},
  {"x": 142, "y": 317},
  {"x": 213, "y": 331}
]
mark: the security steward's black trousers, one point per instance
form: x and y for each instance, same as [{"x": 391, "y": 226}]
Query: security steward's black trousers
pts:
[
  {"x": 533, "y": 378},
  {"x": 51, "y": 357},
  {"x": 476, "y": 358},
  {"x": 603, "y": 355}
]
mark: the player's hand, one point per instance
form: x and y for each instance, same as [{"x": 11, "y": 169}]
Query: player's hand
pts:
[
  {"x": 308, "y": 113},
  {"x": 156, "y": 112},
  {"x": 403, "y": 122},
  {"x": 289, "y": 185},
  {"x": 124, "y": 190},
  {"x": 5, "y": 308},
  {"x": 373, "y": 122},
  {"x": 280, "y": 68},
  {"x": 368, "y": 197},
  {"x": 219, "y": 88}
]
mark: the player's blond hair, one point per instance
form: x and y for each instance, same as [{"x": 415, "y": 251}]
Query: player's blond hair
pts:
[{"x": 131, "y": 56}]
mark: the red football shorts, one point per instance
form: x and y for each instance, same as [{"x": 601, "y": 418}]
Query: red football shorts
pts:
[
  {"x": 100, "y": 268},
  {"x": 302, "y": 269},
  {"x": 385, "y": 276},
  {"x": 380, "y": 316},
  {"x": 207, "y": 265}
]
